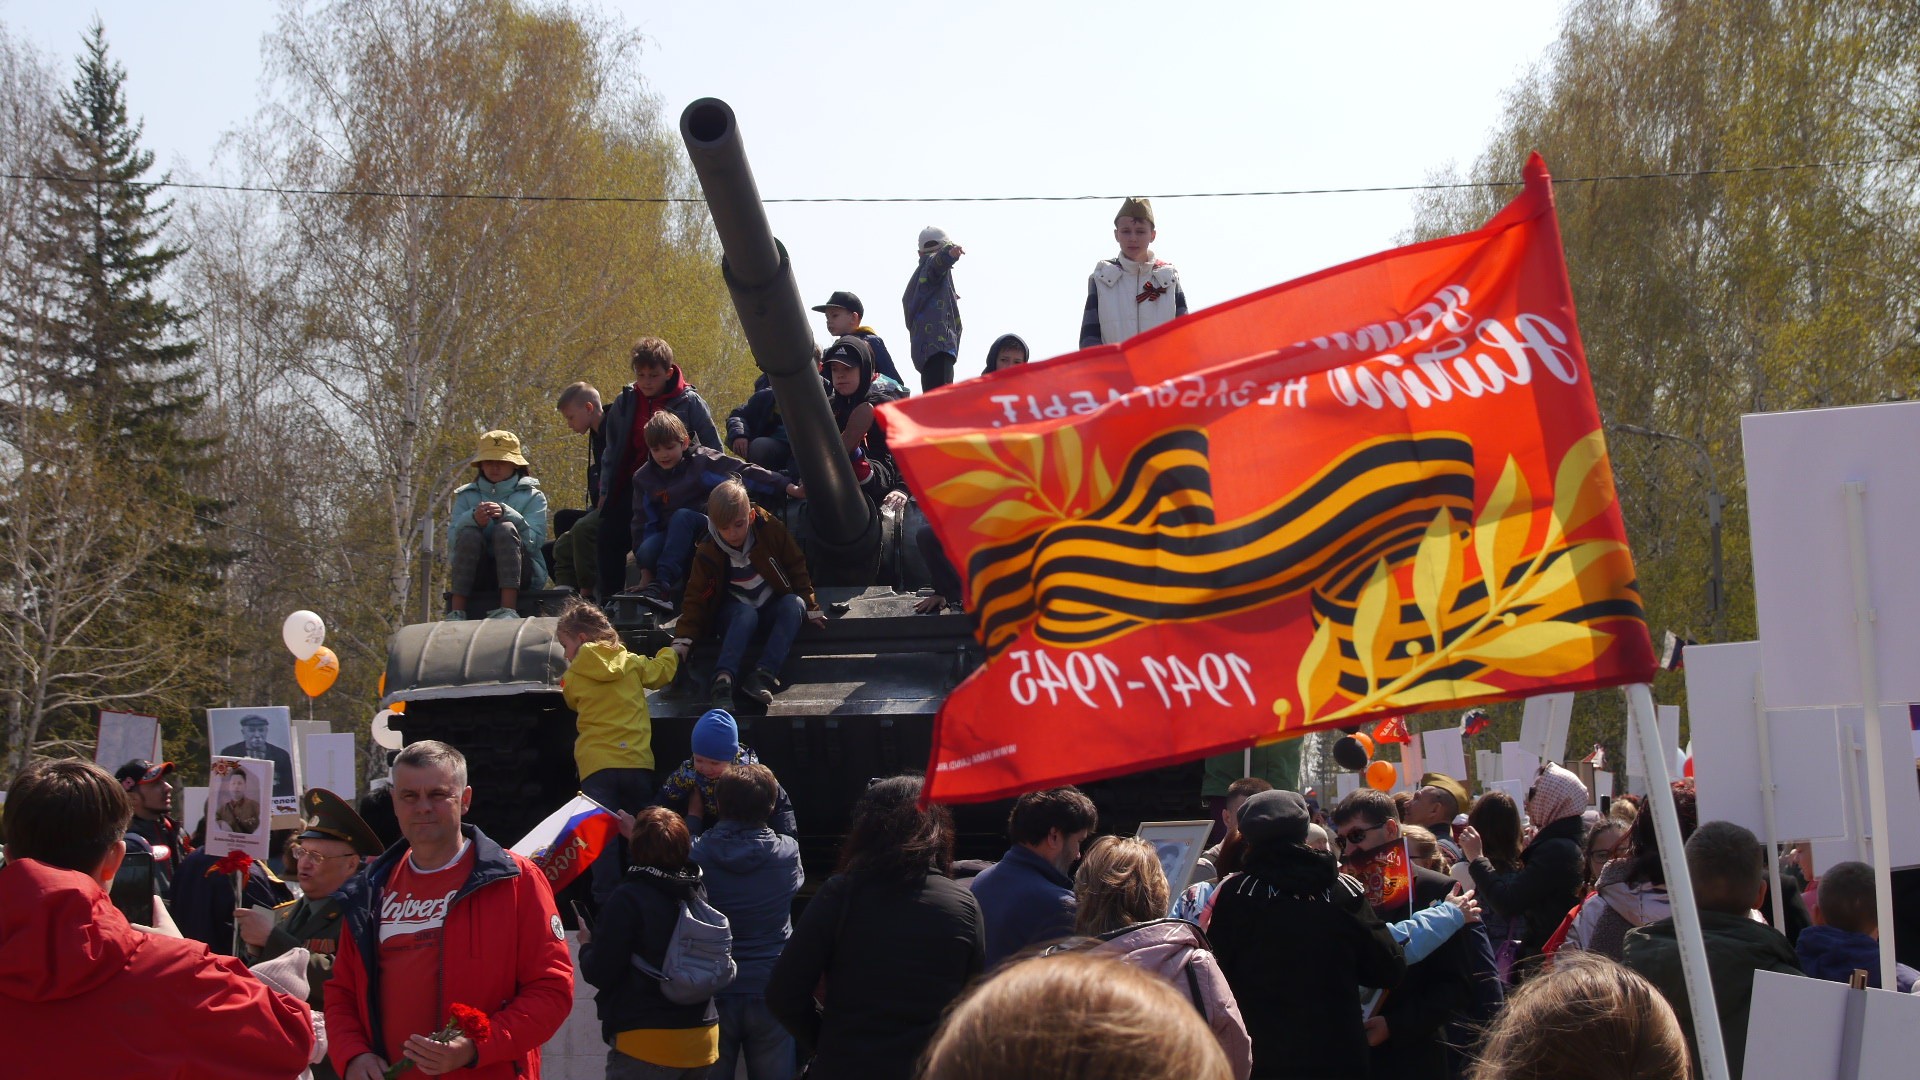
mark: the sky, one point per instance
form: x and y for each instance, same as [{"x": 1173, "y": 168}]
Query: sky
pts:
[{"x": 988, "y": 98}]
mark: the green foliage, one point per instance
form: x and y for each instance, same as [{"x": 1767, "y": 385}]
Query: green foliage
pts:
[{"x": 1705, "y": 297}]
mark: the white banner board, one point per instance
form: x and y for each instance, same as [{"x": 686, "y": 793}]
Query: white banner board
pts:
[
  {"x": 1796, "y": 1025},
  {"x": 125, "y": 736},
  {"x": 1443, "y": 752},
  {"x": 1797, "y": 463},
  {"x": 330, "y": 765}
]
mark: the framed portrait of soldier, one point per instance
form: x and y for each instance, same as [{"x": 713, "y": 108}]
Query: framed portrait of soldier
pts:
[
  {"x": 237, "y": 806},
  {"x": 262, "y": 733}
]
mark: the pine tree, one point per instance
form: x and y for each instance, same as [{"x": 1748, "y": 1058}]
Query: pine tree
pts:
[{"x": 104, "y": 385}]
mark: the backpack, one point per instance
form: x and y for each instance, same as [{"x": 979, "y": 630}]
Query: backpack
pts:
[{"x": 698, "y": 962}]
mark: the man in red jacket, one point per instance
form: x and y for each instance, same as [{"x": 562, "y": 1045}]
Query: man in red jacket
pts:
[
  {"x": 83, "y": 992},
  {"x": 445, "y": 918}
]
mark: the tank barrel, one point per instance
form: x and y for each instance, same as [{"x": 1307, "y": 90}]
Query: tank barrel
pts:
[{"x": 844, "y": 526}]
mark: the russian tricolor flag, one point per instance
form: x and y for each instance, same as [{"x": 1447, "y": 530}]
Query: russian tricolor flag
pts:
[{"x": 568, "y": 841}]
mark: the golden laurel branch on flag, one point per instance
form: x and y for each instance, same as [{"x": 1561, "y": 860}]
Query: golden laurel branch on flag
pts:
[{"x": 1526, "y": 614}]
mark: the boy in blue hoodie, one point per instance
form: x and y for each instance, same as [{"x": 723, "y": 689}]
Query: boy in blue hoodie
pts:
[
  {"x": 752, "y": 875},
  {"x": 693, "y": 788},
  {"x": 1851, "y": 937}
]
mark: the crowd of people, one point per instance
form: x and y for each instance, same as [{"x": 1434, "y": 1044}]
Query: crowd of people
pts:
[{"x": 1315, "y": 942}]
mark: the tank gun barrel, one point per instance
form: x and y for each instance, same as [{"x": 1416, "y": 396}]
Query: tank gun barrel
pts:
[{"x": 843, "y": 525}]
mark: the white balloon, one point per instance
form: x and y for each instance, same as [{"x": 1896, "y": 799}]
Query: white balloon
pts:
[
  {"x": 384, "y": 736},
  {"x": 304, "y": 632}
]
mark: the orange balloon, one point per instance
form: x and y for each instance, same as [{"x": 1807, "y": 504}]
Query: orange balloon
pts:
[
  {"x": 317, "y": 672},
  {"x": 1366, "y": 741},
  {"x": 398, "y": 708},
  {"x": 382, "y": 690},
  {"x": 1381, "y": 775}
]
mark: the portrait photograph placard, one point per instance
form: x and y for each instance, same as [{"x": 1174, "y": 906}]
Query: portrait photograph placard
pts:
[
  {"x": 237, "y": 806},
  {"x": 263, "y": 733}
]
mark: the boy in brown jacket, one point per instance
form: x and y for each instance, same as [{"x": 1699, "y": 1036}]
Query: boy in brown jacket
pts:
[{"x": 747, "y": 574}]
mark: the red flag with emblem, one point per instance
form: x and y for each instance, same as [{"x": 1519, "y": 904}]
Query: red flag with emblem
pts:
[{"x": 1375, "y": 490}]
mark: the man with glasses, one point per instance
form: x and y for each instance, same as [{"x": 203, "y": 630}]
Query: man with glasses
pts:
[
  {"x": 328, "y": 852},
  {"x": 1027, "y": 897},
  {"x": 1407, "y": 1034}
]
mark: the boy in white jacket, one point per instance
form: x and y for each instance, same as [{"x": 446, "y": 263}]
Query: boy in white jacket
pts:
[{"x": 1134, "y": 292}]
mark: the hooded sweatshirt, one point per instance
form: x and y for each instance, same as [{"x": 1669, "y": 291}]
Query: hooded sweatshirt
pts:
[
  {"x": 526, "y": 508},
  {"x": 1001, "y": 342},
  {"x": 627, "y": 418},
  {"x": 1178, "y": 953},
  {"x": 82, "y": 992},
  {"x": 1616, "y": 906},
  {"x": 606, "y": 687},
  {"x": 1828, "y": 952},
  {"x": 638, "y": 920},
  {"x": 752, "y": 874}
]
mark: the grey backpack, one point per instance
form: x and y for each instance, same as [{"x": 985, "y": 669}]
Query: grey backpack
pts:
[{"x": 698, "y": 962}]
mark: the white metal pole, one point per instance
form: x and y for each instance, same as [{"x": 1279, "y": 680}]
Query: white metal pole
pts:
[
  {"x": 1851, "y": 778},
  {"x": 1767, "y": 787},
  {"x": 1855, "y": 491},
  {"x": 1686, "y": 913}
]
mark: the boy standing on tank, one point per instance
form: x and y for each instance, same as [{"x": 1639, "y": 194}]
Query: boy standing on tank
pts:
[
  {"x": 932, "y": 308},
  {"x": 606, "y": 687},
  {"x": 1134, "y": 292},
  {"x": 748, "y": 575}
]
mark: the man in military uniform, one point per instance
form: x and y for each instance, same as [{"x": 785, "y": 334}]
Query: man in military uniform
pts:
[
  {"x": 238, "y": 809},
  {"x": 328, "y": 851},
  {"x": 151, "y": 796},
  {"x": 255, "y": 745}
]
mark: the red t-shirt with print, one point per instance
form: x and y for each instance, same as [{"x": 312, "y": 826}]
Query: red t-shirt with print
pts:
[{"x": 413, "y": 913}]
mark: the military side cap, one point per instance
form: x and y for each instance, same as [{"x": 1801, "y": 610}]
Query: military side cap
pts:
[
  {"x": 330, "y": 818},
  {"x": 1136, "y": 206},
  {"x": 1461, "y": 802}
]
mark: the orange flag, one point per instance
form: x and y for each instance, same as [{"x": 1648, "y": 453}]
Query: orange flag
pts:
[{"x": 1375, "y": 490}]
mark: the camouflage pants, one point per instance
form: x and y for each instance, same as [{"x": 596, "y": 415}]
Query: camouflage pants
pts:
[{"x": 501, "y": 542}]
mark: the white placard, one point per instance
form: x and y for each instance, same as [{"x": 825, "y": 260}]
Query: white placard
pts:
[
  {"x": 1602, "y": 785},
  {"x": 1669, "y": 737},
  {"x": 330, "y": 764},
  {"x": 1903, "y": 793},
  {"x": 1543, "y": 725},
  {"x": 239, "y": 820},
  {"x": 232, "y": 734},
  {"x": 193, "y": 806},
  {"x": 1515, "y": 790},
  {"x": 1344, "y": 784},
  {"x": 1796, "y": 1024},
  {"x": 125, "y": 736},
  {"x": 1809, "y": 792},
  {"x": 1444, "y": 753},
  {"x": 1518, "y": 764},
  {"x": 1413, "y": 764},
  {"x": 1803, "y": 576},
  {"x": 1488, "y": 764}
]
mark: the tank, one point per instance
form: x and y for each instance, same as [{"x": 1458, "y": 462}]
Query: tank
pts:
[{"x": 859, "y": 695}]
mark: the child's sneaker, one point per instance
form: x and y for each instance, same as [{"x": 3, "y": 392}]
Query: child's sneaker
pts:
[
  {"x": 656, "y": 596},
  {"x": 503, "y": 613},
  {"x": 760, "y": 686},
  {"x": 454, "y": 616},
  {"x": 721, "y": 692}
]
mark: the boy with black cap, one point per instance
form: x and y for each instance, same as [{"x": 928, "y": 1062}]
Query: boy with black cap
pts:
[
  {"x": 150, "y": 797},
  {"x": 1296, "y": 941},
  {"x": 932, "y": 308},
  {"x": 844, "y": 313},
  {"x": 1134, "y": 292}
]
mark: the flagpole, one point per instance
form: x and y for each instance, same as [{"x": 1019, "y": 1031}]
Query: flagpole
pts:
[{"x": 1673, "y": 860}]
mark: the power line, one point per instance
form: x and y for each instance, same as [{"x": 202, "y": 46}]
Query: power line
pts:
[{"x": 656, "y": 200}]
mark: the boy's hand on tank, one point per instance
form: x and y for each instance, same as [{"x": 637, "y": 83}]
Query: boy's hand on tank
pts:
[
  {"x": 740, "y": 447},
  {"x": 681, "y": 649},
  {"x": 817, "y": 617},
  {"x": 796, "y": 491},
  {"x": 895, "y": 500}
]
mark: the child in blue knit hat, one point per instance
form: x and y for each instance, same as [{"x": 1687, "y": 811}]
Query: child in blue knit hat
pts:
[{"x": 716, "y": 747}]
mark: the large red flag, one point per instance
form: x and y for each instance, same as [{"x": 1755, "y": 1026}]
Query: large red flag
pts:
[{"x": 1378, "y": 489}]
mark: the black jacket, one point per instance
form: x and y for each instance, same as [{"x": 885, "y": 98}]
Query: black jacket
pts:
[
  {"x": 638, "y": 920},
  {"x": 1542, "y": 890},
  {"x": 1435, "y": 991},
  {"x": 1296, "y": 941},
  {"x": 758, "y": 418},
  {"x": 894, "y": 957}
]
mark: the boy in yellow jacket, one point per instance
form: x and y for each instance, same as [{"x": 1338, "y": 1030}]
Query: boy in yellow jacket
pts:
[{"x": 606, "y": 687}]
